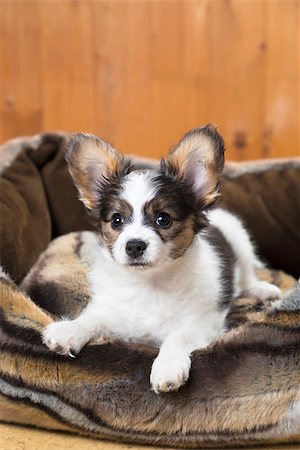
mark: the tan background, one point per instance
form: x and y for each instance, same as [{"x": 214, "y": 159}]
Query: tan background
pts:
[
  {"x": 14, "y": 437},
  {"x": 140, "y": 73}
]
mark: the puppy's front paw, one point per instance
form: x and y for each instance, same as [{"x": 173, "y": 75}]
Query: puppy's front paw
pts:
[
  {"x": 168, "y": 374},
  {"x": 274, "y": 306},
  {"x": 65, "y": 337},
  {"x": 264, "y": 291}
]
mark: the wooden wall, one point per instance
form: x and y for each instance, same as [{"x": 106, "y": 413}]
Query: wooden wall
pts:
[{"x": 140, "y": 73}]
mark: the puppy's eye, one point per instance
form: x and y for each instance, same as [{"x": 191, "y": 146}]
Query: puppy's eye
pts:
[
  {"x": 117, "y": 220},
  {"x": 163, "y": 220}
]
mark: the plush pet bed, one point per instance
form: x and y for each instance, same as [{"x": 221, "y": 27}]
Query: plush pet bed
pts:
[{"x": 243, "y": 390}]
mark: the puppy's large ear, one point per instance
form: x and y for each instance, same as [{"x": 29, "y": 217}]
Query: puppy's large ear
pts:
[
  {"x": 199, "y": 160},
  {"x": 92, "y": 161}
]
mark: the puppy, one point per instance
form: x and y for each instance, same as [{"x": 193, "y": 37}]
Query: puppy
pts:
[{"x": 167, "y": 266}]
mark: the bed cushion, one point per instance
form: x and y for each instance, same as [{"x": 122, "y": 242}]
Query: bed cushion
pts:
[{"x": 244, "y": 389}]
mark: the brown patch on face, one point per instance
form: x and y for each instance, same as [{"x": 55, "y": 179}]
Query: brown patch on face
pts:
[
  {"x": 183, "y": 235},
  {"x": 184, "y": 223},
  {"x": 113, "y": 205}
]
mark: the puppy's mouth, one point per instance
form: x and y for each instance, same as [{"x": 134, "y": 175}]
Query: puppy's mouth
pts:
[{"x": 139, "y": 265}]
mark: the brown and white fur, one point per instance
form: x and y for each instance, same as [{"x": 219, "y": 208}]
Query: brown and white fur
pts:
[{"x": 166, "y": 266}]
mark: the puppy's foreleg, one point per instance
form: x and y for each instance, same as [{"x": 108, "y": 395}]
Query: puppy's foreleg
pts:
[
  {"x": 67, "y": 337},
  {"x": 171, "y": 367}
]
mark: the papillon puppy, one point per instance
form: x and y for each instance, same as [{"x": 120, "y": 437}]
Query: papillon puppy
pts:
[{"x": 167, "y": 265}]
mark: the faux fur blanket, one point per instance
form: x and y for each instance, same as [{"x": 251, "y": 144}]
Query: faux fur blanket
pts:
[{"x": 243, "y": 390}]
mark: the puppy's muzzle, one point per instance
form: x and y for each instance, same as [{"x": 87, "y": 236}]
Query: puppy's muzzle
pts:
[{"x": 135, "y": 248}]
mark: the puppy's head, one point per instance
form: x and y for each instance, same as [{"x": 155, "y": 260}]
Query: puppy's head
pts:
[{"x": 146, "y": 217}]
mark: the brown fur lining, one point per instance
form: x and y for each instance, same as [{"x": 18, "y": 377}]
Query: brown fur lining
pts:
[{"x": 240, "y": 389}]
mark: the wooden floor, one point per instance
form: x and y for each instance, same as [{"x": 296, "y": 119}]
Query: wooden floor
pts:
[{"x": 14, "y": 437}]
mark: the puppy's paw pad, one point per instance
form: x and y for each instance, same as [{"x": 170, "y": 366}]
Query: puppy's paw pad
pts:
[
  {"x": 264, "y": 291},
  {"x": 274, "y": 306},
  {"x": 63, "y": 337},
  {"x": 169, "y": 375}
]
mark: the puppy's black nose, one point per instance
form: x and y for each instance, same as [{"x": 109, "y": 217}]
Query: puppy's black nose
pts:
[{"x": 135, "y": 248}]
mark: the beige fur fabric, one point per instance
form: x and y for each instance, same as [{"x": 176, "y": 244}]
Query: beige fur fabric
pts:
[{"x": 243, "y": 390}]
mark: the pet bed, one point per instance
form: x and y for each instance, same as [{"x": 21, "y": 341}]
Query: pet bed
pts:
[{"x": 243, "y": 390}]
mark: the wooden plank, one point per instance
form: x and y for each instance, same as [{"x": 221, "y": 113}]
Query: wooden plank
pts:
[
  {"x": 29, "y": 68},
  {"x": 16, "y": 437},
  {"x": 155, "y": 90},
  {"x": 8, "y": 72},
  {"x": 181, "y": 70},
  {"x": 197, "y": 61},
  {"x": 122, "y": 72},
  {"x": 282, "y": 98},
  {"x": 237, "y": 74},
  {"x": 21, "y": 102},
  {"x": 67, "y": 75},
  {"x": 167, "y": 49}
]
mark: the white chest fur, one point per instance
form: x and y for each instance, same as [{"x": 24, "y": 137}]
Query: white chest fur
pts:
[{"x": 147, "y": 306}]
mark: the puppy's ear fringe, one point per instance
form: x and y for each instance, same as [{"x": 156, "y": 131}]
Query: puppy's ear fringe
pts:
[
  {"x": 198, "y": 159},
  {"x": 83, "y": 141},
  {"x": 93, "y": 163},
  {"x": 171, "y": 170}
]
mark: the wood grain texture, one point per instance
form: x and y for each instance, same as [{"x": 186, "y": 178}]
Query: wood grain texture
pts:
[
  {"x": 16, "y": 437},
  {"x": 141, "y": 73}
]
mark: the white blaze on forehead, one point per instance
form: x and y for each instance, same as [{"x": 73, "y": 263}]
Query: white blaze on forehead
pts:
[{"x": 138, "y": 190}]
